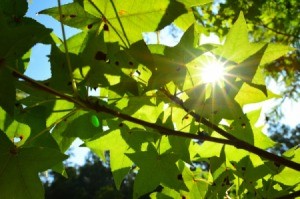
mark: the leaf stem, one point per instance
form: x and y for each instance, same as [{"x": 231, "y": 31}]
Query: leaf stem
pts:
[
  {"x": 74, "y": 86},
  {"x": 105, "y": 20},
  {"x": 237, "y": 142},
  {"x": 51, "y": 126}
]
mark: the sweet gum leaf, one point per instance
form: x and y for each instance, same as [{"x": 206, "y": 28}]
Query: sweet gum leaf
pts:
[{"x": 22, "y": 165}]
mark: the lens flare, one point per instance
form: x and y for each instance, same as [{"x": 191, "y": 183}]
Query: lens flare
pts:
[{"x": 213, "y": 72}]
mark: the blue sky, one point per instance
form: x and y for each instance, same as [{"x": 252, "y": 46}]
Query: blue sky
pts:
[{"x": 39, "y": 67}]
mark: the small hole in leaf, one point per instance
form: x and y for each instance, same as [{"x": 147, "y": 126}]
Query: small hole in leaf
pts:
[
  {"x": 138, "y": 73},
  {"x": 100, "y": 56},
  {"x": 133, "y": 166},
  {"x": 243, "y": 125},
  {"x": 90, "y": 26},
  {"x": 13, "y": 150},
  {"x": 179, "y": 177},
  {"x": 63, "y": 16},
  {"x": 72, "y": 16},
  {"x": 183, "y": 197},
  {"x": 267, "y": 119},
  {"x": 105, "y": 27},
  {"x": 117, "y": 63},
  {"x": 17, "y": 139},
  {"x": 192, "y": 168},
  {"x": 130, "y": 63},
  {"x": 159, "y": 188}
]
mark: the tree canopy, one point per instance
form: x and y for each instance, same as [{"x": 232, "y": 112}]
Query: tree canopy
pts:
[{"x": 159, "y": 112}]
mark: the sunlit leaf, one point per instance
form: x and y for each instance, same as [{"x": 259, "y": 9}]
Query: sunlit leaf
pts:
[{"x": 155, "y": 170}]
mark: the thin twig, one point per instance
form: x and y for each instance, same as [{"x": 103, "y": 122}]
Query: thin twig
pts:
[
  {"x": 74, "y": 86},
  {"x": 51, "y": 126},
  {"x": 237, "y": 142},
  {"x": 165, "y": 131},
  {"x": 105, "y": 20}
]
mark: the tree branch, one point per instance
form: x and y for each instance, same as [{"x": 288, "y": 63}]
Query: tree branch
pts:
[
  {"x": 277, "y": 32},
  {"x": 165, "y": 131},
  {"x": 237, "y": 142}
]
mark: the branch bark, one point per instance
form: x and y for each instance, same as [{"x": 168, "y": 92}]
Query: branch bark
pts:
[{"x": 231, "y": 140}]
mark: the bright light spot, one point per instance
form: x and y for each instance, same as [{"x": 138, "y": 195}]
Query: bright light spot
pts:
[{"x": 213, "y": 72}]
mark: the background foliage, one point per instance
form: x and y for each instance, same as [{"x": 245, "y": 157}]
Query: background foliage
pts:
[{"x": 155, "y": 115}]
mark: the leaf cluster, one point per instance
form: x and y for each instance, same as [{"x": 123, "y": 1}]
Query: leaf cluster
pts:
[{"x": 154, "y": 113}]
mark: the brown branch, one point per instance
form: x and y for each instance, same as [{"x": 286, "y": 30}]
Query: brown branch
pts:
[
  {"x": 165, "y": 131},
  {"x": 237, "y": 142}
]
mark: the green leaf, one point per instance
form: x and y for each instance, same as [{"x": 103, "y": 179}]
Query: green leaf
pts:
[
  {"x": 60, "y": 74},
  {"x": 79, "y": 125},
  {"x": 195, "y": 183},
  {"x": 154, "y": 169},
  {"x": 180, "y": 147},
  {"x": 237, "y": 47},
  {"x": 261, "y": 140},
  {"x": 74, "y": 15},
  {"x": 247, "y": 69},
  {"x": 166, "y": 193},
  {"x": 125, "y": 22},
  {"x": 246, "y": 169},
  {"x": 59, "y": 110},
  {"x": 18, "y": 130},
  {"x": 285, "y": 175},
  {"x": 249, "y": 95},
  {"x": 14, "y": 46},
  {"x": 7, "y": 90},
  {"x": 275, "y": 51},
  {"x": 17, "y": 164},
  {"x": 210, "y": 149},
  {"x": 14, "y": 9},
  {"x": 190, "y": 3},
  {"x": 113, "y": 142},
  {"x": 170, "y": 63}
]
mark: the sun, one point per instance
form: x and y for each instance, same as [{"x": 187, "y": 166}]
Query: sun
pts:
[{"x": 213, "y": 72}]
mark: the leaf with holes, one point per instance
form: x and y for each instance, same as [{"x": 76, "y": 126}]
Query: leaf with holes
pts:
[
  {"x": 74, "y": 15},
  {"x": 155, "y": 169}
]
